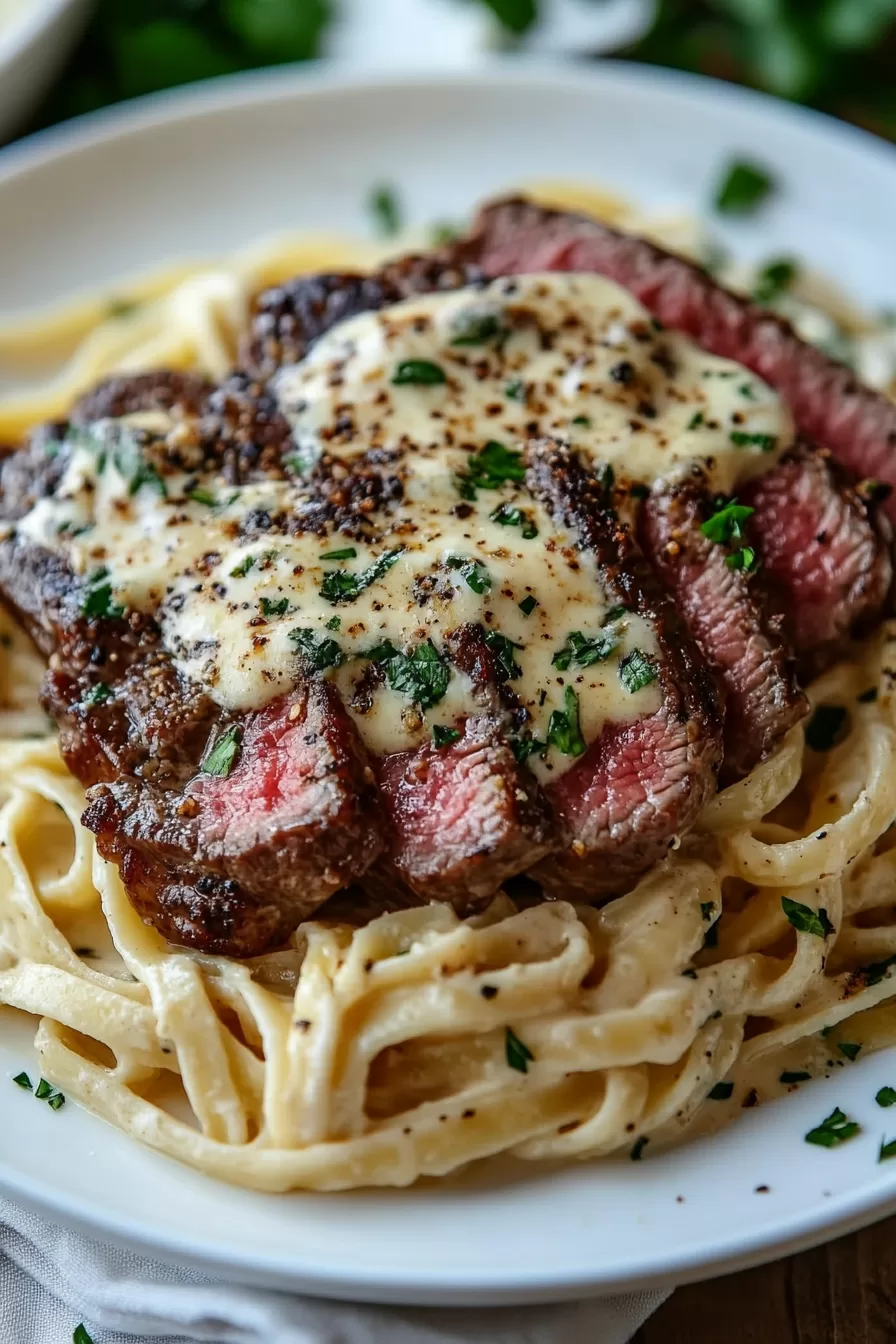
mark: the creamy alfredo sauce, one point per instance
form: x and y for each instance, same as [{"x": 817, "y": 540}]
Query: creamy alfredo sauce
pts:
[{"x": 447, "y": 388}]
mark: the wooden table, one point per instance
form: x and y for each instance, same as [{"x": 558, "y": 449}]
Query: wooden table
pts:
[{"x": 843, "y": 1293}]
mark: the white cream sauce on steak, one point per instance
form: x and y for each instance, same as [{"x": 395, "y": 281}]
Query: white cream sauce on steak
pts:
[{"x": 453, "y": 384}]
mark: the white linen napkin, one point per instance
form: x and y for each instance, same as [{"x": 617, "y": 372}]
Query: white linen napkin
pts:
[{"x": 52, "y": 1280}]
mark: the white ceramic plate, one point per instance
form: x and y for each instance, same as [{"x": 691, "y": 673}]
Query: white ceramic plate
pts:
[{"x": 209, "y": 170}]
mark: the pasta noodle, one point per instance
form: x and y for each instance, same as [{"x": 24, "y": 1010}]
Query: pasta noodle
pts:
[{"x": 422, "y": 1041}]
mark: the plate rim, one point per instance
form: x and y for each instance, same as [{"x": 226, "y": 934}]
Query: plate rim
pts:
[{"x": 845, "y": 1211}]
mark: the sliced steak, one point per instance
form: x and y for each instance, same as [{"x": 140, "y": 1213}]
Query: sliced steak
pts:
[
  {"x": 727, "y": 616},
  {"x": 232, "y": 864},
  {"x": 288, "y": 318},
  {"x": 825, "y": 554},
  {"x": 828, "y": 403},
  {"x": 461, "y": 818},
  {"x": 642, "y": 783}
]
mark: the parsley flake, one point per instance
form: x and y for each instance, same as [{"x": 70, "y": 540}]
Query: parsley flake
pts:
[
  {"x": 766, "y": 443},
  {"x": 508, "y": 516},
  {"x": 200, "y": 496},
  {"x": 515, "y": 390},
  {"x": 45, "y": 1091},
  {"x": 637, "y": 671},
  {"x": 721, "y": 1092},
  {"x": 347, "y": 553},
  {"x": 385, "y": 209},
  {"x": 81, "y": 1336},
  {"x": 503, "y": 648},
  {"x": 422, "y": 674},
  {"x": 97, "y": 599},
  {"x": 274, "y": 606},
  {"x": 848, "y": 1049},
  {"x": 887, "y": 1149},
  {"x": 444, "y": 737},
  {"x": 564, "y": 729},
  {"x": 726, "y": 524},
  {"x": 638, "y": 1148},
  {"x": 745, "y": 559},
  {"x": 97, "y": 694},
  {"x": 418, "y": 373},
  {"x": 340, "y": 586},
  {"x": 476, "y": 328},
  {"x": 773, "y": 279},
  {"x": 524, "y": 747},
  {"x": 242, "y": 569},
  {"x": 490, "y": 468},
  {"x": 517, "y": 1053},
  {"x": 528, "y": 605},
  {"x": 742, "y": 188},
  {"x": 795, "y": 1076},
  {"x": 584, "y": 652},
  {"x": 835, "y": 1128},
  {"x": 885, "y": 1097},
  {"x": 221, "y": 758},
  {"x": 474, "y": 574},
  {"x": 22, "y": 1080},
  {"x": 318, "y": 654},
  {"x": 806, "y": 920}
]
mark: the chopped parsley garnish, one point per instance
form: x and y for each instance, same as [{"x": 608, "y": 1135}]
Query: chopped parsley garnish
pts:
[
  {"x": 564, "y": 729},
  {"x": 742, "y": 188},
  {"x": 223, "y": 754},
  {"x": 274, "y": 606},
  {"x": 639, "y": 490},
  {"x": 340, "y": 586},
  {"x": 795, "y": 1076},
  {"x": 515, "y": 390},
  {"x": 835, "y": 1128},
  {"x": 721, "y": 1092},
  {"x": 200, "y": 496},
  {"x": 887, "y": 1149},
  {"x": 319, "y": 654},
  {"x": 877, "y": 971},
  {"x": 97, "y": 599},
  {"x": 696, "y": 420},
  {"x": 583, "y": 652},
  {"x": 81, "y": 1336},
  {"x": 503, "y": 648},
  {"x": 745, "y": 559},
  {"x": 868, "y": 697},
  {"x": 847, "y": 1048},
  {"x": 518, "y": 1054},
  {"x": 885, "y": 1097},
  {"x": 524, "y": 747},
  {"x": 242, "y": 569},
  {"x": 766, "y": 443},
  {"x": 334, "y": 622},
  {"x": 118, "y": 307},
  {"x": 636, "y": 671},
  {"x": 474, "y": 574},
  {"x": 508, "y": 516},
  {"x": 97, "y": 694},
  {"x": 824, "y": 727},
  {"x": 774, "y": 279},
  {"x": 146, "y": 474},
  {"x": 638, "y": 1148},
  {"x": 490, "y": 468},
  {"x": 528, "y": 605},
  {"x": 806, "y": 920},
  {"x": 422, "y": 675},
  {"x": 51, "y": 1095},
  {"x": 385, "y": 209},
  {"x": 443, "y": 737},
  {"x": 303, "y": 461},
  {"x": 418, "y": 372},
  {"x": 472, "y": 328},
  {"x": 347, "y": 553},
  {"x": 707, "y": 909},
  {"x": 22, "y": 1080},
  {"x": 726, "y": 524},
  {"x": 583, "y": 420},
  {"x": 443, "y": 232}
]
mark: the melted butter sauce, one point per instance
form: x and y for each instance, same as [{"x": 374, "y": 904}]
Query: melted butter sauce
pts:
[{"x": 570, "y": 355}]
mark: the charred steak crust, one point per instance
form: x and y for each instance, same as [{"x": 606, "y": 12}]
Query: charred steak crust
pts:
[
  {"x": 234, "y": 863},
  {"x": 288, "y": 318},
  {"x": 826, "y": 554},
  {"x": 640, "y": 784},
  {"x": 830, "y": 406},
  {"x": 725, "y": 613}
]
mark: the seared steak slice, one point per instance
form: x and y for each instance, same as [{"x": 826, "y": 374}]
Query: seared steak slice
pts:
[
  {"x": 642, "y": 783},
  {"x": 725, "y": 613},
  {"x": 288, "y": 318},
  {"x": 461, "y": 818},
  {"x": 825, "y": 555},
  {"x": 234, "y": 863},
  {"x": 829, "y": 405}
]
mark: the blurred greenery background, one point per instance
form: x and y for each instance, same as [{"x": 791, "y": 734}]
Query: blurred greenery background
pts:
[{"x": 838, "y": 55}]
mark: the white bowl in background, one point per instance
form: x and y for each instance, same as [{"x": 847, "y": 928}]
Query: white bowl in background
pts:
[{"x": 34, "y": 42}]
